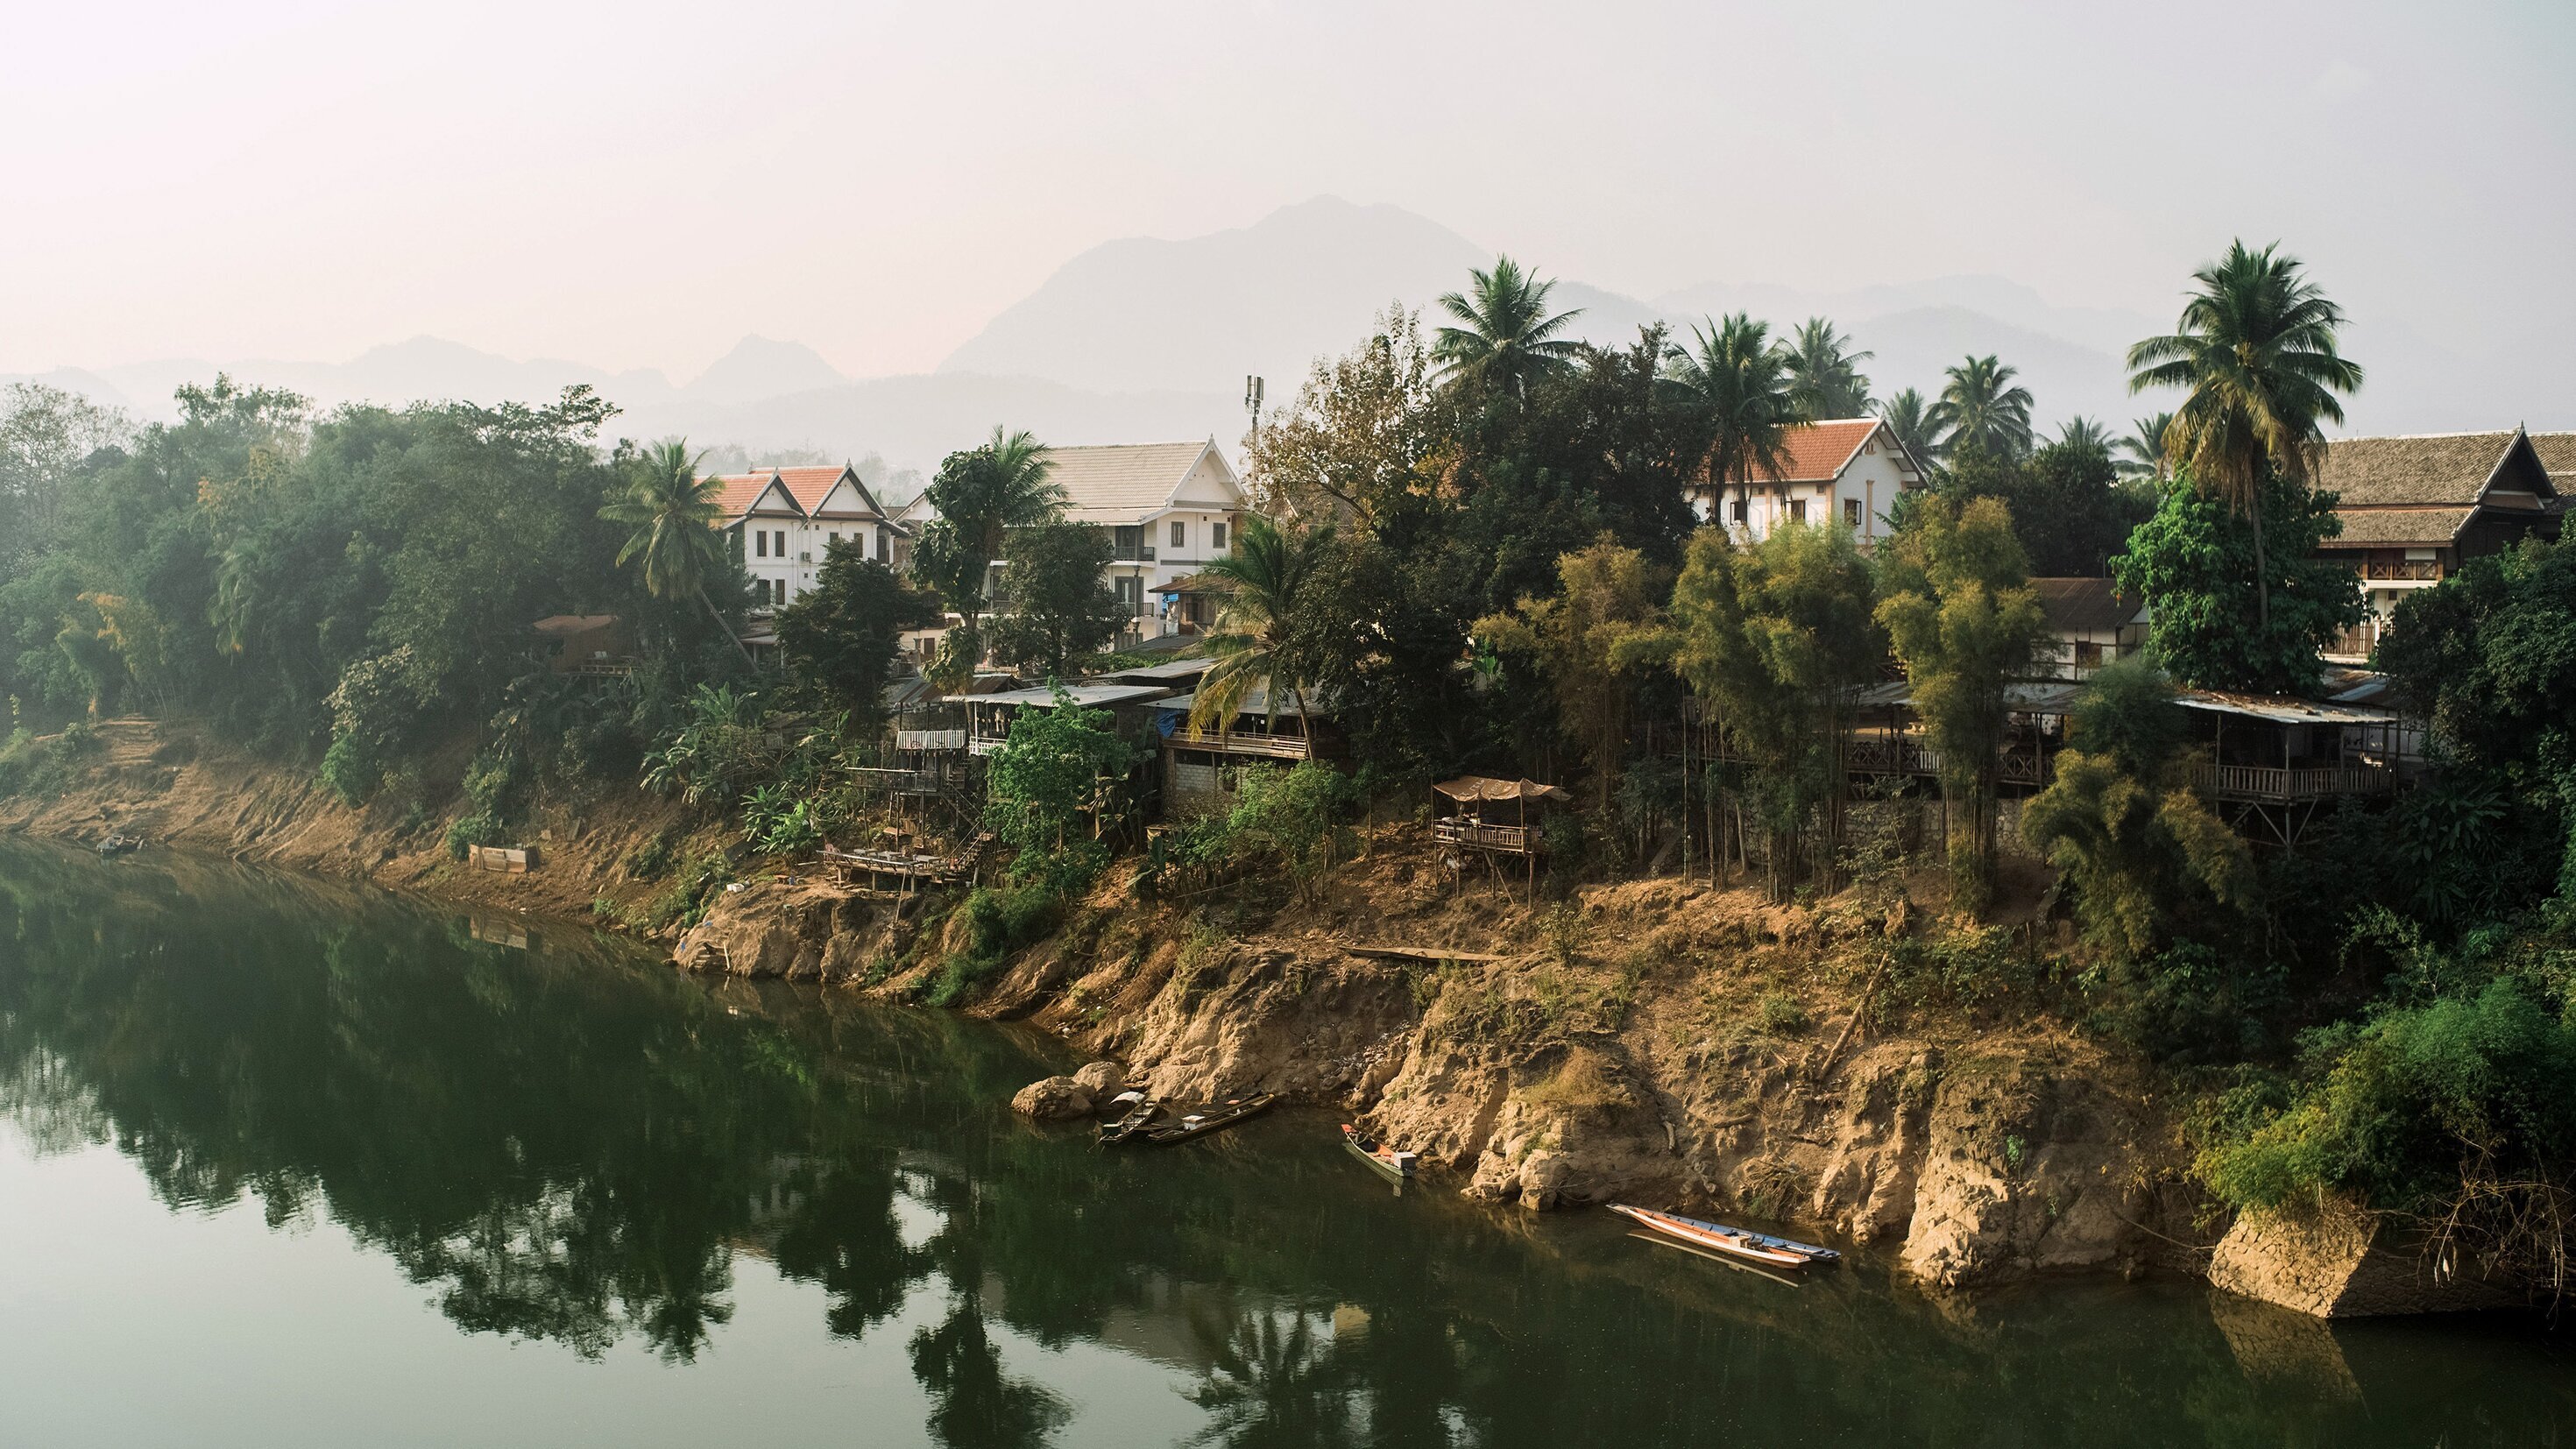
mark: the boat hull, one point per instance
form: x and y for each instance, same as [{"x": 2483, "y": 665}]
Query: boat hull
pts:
[{"x": 1713, "y": 1237}]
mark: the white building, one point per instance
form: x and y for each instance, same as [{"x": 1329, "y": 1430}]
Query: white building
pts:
[
  {"x": 1848, "y": 471},
  {"x": 1170, "y": 509},
  {"x": 781, "y": 520}
]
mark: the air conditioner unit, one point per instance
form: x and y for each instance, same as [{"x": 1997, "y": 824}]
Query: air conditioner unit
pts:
[{"x": 804, "y": 558}]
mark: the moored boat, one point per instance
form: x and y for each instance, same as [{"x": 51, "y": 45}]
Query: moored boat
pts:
[
  {"x": 1395, "y": 1164},
  {"x": 1133, "y": 1113},
  {"x": 1213, "y": 1118},
  {"x": 1715, "y": 1237}
]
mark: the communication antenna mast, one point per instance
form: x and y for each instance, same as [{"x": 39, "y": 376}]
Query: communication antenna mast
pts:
[{"x": 1254, "y": 389}]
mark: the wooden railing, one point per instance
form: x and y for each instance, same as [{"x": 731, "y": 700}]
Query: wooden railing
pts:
[
  {"x": 1280, "y": 747},
  {"x": 2274, "y": 783},
  {"x": 1474, "y": 835},
  {"x": 2356, "y": 642},
  {"x": 2399, "y": 570}
]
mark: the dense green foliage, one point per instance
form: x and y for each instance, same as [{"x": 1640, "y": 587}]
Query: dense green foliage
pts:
[
  {"x": 2068, "y": 505},
  {"x": 1773, "y": 638},
  {"x": 1053, "y": 786},
  {"x": 1957, "y": 606},
  {"x": 840, "y": 636},
  {"x": 981, "y": 495},
  {"x": 1062, "y": 609},
  {"x": 2194, "y": 563}
]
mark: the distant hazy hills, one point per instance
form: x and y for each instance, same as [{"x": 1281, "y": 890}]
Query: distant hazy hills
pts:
[{"x": 1144, "y": 338}]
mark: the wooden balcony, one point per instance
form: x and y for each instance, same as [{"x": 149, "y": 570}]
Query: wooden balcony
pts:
[
  {"x": 2272, "y": 784},
  {"x": 1227, "y": 742},
  {"x": 1501, "y": 839}
]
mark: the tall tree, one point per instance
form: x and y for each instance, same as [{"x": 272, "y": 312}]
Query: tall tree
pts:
[
  {"x": 2068, "y": 505},
  {"x": 1591, "y": 642},
  {"x": 2141, "y": 454},
  {"x": 981, "y": 494},
  {"x": 2084, "y": 437},
  {"x": 671, "y": 510},
  {"x": 1361, "y": 438},
  {"x": 2256, "y": 347},
  {"x": 1910, "y": 418},
  {"x": 45, "y": 434},
  {"x": 1773, "y": 637},
  {"x": 1825, "y": 380},
  {"x": 2196, "y": 566},
  {"x": 840, "y": 636},
  {"x": 1741, "y": 380},
  {"x": 1508, "y": 340},
  {"x": 1259, "y": 634},
  {"x": 1958, "y": 606},
  {"x": 1061, "y": 606},
  {"x": 1981, "y": 409}
]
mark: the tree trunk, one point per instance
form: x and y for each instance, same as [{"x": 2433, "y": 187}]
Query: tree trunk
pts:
[{"x": 712, "y": 613}]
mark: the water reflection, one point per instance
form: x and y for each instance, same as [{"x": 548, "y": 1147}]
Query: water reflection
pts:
[{"x": 565, "y": 1142}]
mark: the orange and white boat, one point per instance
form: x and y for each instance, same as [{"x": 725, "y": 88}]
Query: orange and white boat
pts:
[{"x": 1715, "y": 1237}]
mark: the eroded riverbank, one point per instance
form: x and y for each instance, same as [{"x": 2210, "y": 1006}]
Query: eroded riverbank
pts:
[{"x": 719, "y": 1206}]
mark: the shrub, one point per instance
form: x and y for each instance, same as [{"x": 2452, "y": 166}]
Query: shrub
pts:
[{"x": 997, "y": 923}]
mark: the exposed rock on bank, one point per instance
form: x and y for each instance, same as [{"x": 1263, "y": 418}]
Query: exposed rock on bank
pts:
[{"x": 2340, "y": 1261}]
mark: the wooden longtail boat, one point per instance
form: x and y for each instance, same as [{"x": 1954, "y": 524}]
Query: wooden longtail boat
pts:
[
  {"x": 1213, "y": 1118},
  {"x": 1136, "y": 1112},
  {"x": 1398, "y": 1165},
  {"x": 1715, "y": 1237},
  {"x": 1808, "y": 1251}
]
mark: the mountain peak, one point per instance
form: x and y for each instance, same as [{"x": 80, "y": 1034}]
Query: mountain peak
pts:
[{"x": 763, "y": 367}]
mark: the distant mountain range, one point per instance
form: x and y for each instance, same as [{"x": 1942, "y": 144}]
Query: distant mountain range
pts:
[{"x": 1144, "y": 338}]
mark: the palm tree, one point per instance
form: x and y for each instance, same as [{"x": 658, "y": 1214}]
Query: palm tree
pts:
[
  {"x": 672, "y": 511},
  {"x": 2080, "y": 434},
  {"x": 1825, "y": 375},
  {"x": 1979, "y": 409},
  {"x": 1255, "y": 635},
  {"x": 2256, "y": 347},
  {"x": 1742, "y": 381},
  {"x": 1508, "y": 338},
  {"x": 1911, "y": 421},
  {"x": 2142, "y": 453},
  {"x": 980, "y": 495}
]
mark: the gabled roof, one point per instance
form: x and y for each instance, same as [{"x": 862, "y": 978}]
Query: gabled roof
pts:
[
  {"x": 2085, "y": 606},
  {"x": 1128, "y": 482},
  {"x": 743, "y": 492},
  {"x": 1819, "y": 452},
  {"x": 2431, "y": 469},
  {"x": 802, "y": 489},
  {"x": 2398, "y": 527}
]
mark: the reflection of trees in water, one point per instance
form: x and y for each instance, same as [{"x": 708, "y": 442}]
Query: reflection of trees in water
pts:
[
  {"x": 1271, "y": 1381},
  {"x": 973, "y": 1403}
]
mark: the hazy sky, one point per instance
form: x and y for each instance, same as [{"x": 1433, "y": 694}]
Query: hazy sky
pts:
[{"x": 633, "y": 184}]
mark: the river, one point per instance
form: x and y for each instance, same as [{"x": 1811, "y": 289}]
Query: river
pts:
[{"x": 285, "y": 1162}]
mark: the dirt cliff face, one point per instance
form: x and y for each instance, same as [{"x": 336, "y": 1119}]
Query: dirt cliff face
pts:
[
  {"x": 1652, "y": 1041},
  {"x": 1673, "y": 1044},
  {"x": 171, "y": 783}
]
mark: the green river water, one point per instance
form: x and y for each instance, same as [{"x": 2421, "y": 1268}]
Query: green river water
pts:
[{"x": 287, "y": 1163}]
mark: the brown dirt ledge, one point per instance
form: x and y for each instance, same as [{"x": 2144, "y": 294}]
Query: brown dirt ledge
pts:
[{"x": 1654, "y": 1040}]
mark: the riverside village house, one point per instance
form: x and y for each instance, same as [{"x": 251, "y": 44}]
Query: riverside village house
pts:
[
  {"x": 1848, "y": 470},
  {"x": 780, "y": 521},
  {"x": 2414, "y": 509}
]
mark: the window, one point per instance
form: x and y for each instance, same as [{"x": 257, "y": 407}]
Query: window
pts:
[
  {"x": 760, "y": 592},
  {"x": 1216, "y": 537},
  {"x": 1127, "y": 541},
  {"x": 760, "y": 544},
  {"x": 881, "y": 545},
  {"x": 2088, "y": 654},
  {"x": 1797, "y": 510},
  {"x": 778, "y": 543},
  {"x": 1180, "y": 533},
  {"x": 1739, "y": 510},
  {"x": 1131, "y": 593},
  {"x": 1851, "y": 512}
]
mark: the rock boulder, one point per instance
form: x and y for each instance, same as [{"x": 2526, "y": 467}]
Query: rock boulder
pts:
[
  {"x": 1053, "y": 1099},
  {"x": 1103, "y": 1080}
]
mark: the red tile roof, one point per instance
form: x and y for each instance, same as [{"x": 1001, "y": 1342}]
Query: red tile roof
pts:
[
  {"x": 809, "y": 485},
  {"x": 1818, "y": 452},
  {"x": 740, "y": 491}
]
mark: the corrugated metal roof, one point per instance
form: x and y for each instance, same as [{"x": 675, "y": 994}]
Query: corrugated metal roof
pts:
[
  {"x": 1083, "y": 694},
  {"x": 2281, "y": 708}
]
